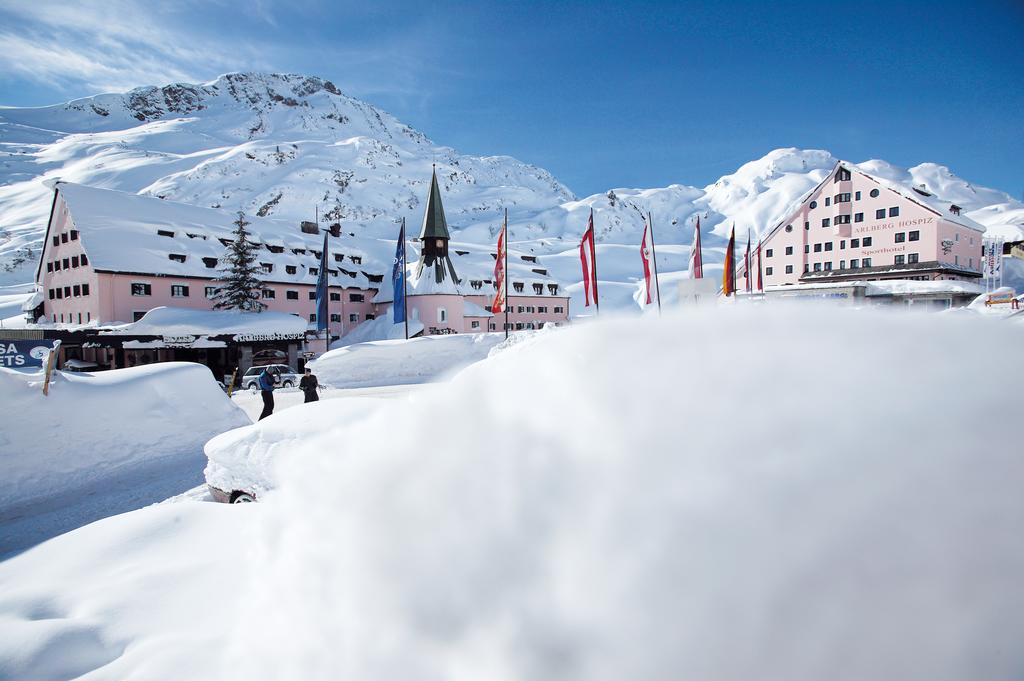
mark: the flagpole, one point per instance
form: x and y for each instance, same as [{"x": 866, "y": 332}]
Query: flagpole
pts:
[
  {"x": 654, "y": 259},
  {"x": 405, "y": 283},
  {"x": 505, "y": 230},
  {"x": 593, "y": 236}
]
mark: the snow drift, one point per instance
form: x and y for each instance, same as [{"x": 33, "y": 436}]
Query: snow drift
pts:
[
  {"x": 94, "y": 426},
  {"x": 800, "y": 493},
  {"x": 397, "y": 362}
]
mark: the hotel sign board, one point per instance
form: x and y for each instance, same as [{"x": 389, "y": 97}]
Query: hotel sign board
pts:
[{"x": 19, "y": 354}]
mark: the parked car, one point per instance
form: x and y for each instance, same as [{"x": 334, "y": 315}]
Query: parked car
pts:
[{"x": 287, "y": 378}]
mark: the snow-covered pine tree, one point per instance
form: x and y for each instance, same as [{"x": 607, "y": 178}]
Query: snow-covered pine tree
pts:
[{"x": 240, "y": 288}]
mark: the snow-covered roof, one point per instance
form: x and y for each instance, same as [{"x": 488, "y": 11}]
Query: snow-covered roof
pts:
[
  {"x": 908, "y": 286},
  {"x": 32, "y": 302},
  {"x": 124, "y": 232},
  {"x": 177, "y": 321},
  {"x": 471, "y": 309}
]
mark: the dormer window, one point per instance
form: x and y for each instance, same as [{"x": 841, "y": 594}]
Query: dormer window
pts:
[
  {"x": 226, "y": 242},
  {"x": 176, "y": 257},
  {"x": 267, "y": 267},
  {"x": 210, "y": 263},
  {"x": 553, "y": 289},
  {"x": 358, "y": 260},
  {"x": 275, "y": 249},
  {"x": 518, "y": 286},
  {"x": 290, "y": 269},
  {"x": 339, "y": 257},
  {"x": 314, "y": 271},
  {"x": 954, "y": 209},
  {"x": 538, "y": 289},
  {"x": 165, "y": 232}
]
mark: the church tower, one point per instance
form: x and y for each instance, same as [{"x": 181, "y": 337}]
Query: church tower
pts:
[{"x": 435, "y": 269}]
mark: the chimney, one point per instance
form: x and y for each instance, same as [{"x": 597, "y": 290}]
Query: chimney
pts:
[
  {"x": 308, "y": 227},
  {"x": 335, "y": 229}
]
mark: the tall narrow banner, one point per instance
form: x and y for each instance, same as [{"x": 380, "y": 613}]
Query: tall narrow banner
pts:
[
  {"x": 398, "y": 279},
  {"x": 588, "y": 261},
  {"x": 498, "y": 304},
  {"x": 322, "y": 294},
  {"x": 646, "y": 254},
  {"x": 748, "y": 281},
  {"x": 696, "y": 257},
  {"x": 729, "y": 270},
  {"x": 760, "y": 273}
]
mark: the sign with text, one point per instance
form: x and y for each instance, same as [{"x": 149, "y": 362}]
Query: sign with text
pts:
[{"x": 18, "y": 354}]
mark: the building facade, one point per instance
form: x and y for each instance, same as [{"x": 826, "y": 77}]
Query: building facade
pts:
[{"x": 855, "y": 226}]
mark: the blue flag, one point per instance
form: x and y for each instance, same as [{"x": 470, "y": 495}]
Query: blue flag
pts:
[
  {"x": 398, "y": 278},
  {"x": 322, "y": 295}
]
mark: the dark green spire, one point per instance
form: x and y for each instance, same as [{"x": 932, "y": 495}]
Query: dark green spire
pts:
[{"x": 434, "y": 224}]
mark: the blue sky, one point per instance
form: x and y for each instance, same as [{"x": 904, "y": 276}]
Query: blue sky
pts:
[{"x": 601, "y": 94}]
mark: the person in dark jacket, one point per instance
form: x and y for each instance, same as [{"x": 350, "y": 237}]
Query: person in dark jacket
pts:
[
  {"x": 309, "y": 386},
  {"x": 266, "y": 380}
]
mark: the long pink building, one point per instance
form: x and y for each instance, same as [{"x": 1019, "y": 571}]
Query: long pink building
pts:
[{"x": 858, "y": 227}]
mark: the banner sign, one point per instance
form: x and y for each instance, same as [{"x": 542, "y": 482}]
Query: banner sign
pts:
[
  {"x": 17, "y": 354},
  {"x": 993, "y": 263}
]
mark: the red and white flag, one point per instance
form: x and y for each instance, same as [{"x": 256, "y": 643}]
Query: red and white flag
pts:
[
  {"x": 588, "y": 260},
  {"x": 647, "y": 255},
  {"x": 696, "y": 259},
  {"x": 748, "y": 281},
  {"x": 498, "y": 304}
]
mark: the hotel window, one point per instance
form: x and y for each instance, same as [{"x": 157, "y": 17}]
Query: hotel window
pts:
[
  {"x": 828, "y": 245},
  {"x": 67, "y": 291},
  {"x": 817, "y": 248},
  {"x": 807, "y": 248},
  {"x": 842, "y": 219},
  {"x": 64, "y": 238},
  {"x": 828, "y": 201},
  {"x": 268, "y": 293},
  {"x": 874, "y": 193},
  {"x": 353, "y": 318},
  {"x": 854, "y": 264},
  {"x": 49, "y": 267},
  {"x": 789, "y": 228},
  {"x": 312, "y": 317},
  {"x": 210, "y": 291},
  {"x": 312, "y": 295},
  {"x": 442, "y": 315},
  {"x": 56, "y": 240},
  {"x": 912, "y": 258},
  {"x": 356, "y": 297},
  {"x": 138, "y": 315},
  {"x": 894, "y": 212},
  {"x": 339, "y": 257},
  {"x": 842, "y": 264},
  {"x": 85, "y": 289},
  {"x": 817, "y": 267},
  {"x": 335, "y": 297},
  {"x": 955, "y": 236},
  {"x": 854, "y": 243},
  {"x": 77, "y": 290},
  {"x": 559, "y": 310},
  {"x": 142, "y": 290},
  {"x": 842, "y": 245},
  {"x": 914, "y": 235},
  {"x": 521, "y": 309},
  {"x": 899, "y": 237},
  {"x": 789, "y": 250},
  {"x": 956, "y": 259},
  {"x": 336, "y": 318},
  {"x": 56, "y": 265},
  {"x": 179, "y": 291},
  {"x": 825, "y": 222},
  {"x": 807, "y": 225},
  {"x": 291, "y": 295},
  {"x": 789, "y": 269},
  {"x": 60, "y": 293},
  {"x": 542, "y": 309},
  {"x": 856, "y": 196},
  {"x": 84, "y": 260},
  {"x": 866, "y": 262},
  {"x": 314, "y": 271},
  {"x": 814, "y": 204},
  {"x": 828, "y": 266},
  {"x": 843, "y": 198},
  {"x": 866, "y": 241},
  {"x": 768, "y": 253},
  {"x": 74, "y": 261},
  {"x": 768, "y": 271},
  {"x": 290, "y": 269},
  {"x": 474, "y": 325},
  {"x": 899, "y": 260},
  {"x": 880, "y": 213},
  {"x": 66, "y": 263}
]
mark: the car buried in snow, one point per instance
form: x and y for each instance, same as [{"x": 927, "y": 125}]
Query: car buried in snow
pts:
[
  {"x": 285, "y": 376},
  {"x": 243, "y": 464}
]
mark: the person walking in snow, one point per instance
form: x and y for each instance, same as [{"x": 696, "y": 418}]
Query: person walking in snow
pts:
[
  {"x": 309, "y": 386},
  {"x": 266, "y": 380}
]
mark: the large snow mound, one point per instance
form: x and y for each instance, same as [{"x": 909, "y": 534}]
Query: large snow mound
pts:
[
  {"x": 397, "y": 362},
  {"x": 92, "y": 426},
  {"x": 737, "y": 493}
]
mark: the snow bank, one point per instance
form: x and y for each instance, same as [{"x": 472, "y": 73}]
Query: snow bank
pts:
[
  {"x": 738, "y": 493},
  {"x": 379, "y": 328},
  {"x": 394, "y": 362},
  {"x": 95, "y": 425}
]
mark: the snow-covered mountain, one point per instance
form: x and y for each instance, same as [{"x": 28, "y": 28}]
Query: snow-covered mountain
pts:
[{"x": 287, "y": 146}]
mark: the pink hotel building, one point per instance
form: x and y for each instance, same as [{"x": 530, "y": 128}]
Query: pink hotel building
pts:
[
  {"x": 111, "y": 256},
  {"x": 857, "y": 227}
]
